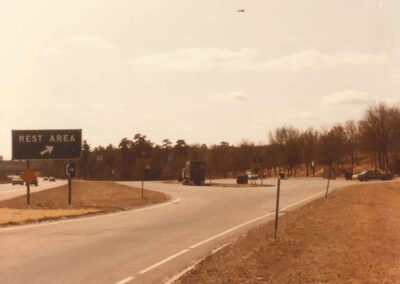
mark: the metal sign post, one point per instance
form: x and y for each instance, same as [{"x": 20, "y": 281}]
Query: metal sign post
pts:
[
  {"x": 28, "y": 189},
  {"x": 278, "y": 193},
  {"x": 69, "y": 190},
  {"x": 70, "y": 172}
]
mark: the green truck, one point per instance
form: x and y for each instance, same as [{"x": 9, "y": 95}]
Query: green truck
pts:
[{"x": 194, "y": 173}]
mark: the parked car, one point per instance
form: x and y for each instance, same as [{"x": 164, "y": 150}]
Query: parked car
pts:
[
  {"x": 251, "y": 175},
  {"x": 46, "y": 178},
  {"x": 52, "y": 179},
  {"x": 243, "y": 179},
  {"x": 373, "y": 174},
  {"x": 17, "y": 180}
]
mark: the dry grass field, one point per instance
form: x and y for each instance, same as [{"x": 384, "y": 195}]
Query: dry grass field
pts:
[
  {"x": 351, "y": 237},
  {"x": 87, "y": 198}
]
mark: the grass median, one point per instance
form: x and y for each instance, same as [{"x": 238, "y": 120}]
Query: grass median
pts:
[
  {"x": 87, "y": 198},
  {"x": 353, "y": 236}
]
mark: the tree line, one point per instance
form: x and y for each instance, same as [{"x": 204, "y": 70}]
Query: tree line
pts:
[{"x": 373, "y": 141}]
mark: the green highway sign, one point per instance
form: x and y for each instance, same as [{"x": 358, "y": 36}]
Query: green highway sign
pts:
[{"x": 46, "y": 144}]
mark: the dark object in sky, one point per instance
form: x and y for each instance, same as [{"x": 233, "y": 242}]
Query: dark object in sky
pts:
[{"x": 241, "y": 10}]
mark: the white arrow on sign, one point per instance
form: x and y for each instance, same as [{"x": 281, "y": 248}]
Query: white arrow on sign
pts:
[{"x": 48, "y": 149}]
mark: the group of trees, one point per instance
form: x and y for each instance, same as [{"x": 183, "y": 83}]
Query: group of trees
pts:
[{"x": 374, "y": 141}]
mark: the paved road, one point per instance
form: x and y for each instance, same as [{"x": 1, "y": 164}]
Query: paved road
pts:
[
  {"x": 148, "y": 245},
  {"x": 8, "y": 190}
]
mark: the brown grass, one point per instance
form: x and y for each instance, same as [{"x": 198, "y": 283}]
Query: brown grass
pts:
[
  {"x": 352, "y": 237},
  {"x": 17, "y": 216},
  {"x": 87, "y": 198}
]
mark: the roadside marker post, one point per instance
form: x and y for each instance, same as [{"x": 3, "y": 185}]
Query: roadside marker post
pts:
[
  {"x": 278, "y": 193},
  {"x": 327, "y": 186}
]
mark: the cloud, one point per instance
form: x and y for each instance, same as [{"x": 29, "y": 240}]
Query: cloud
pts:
[
  {"x": 54, "y": 51},
  {"x": 312, "y": 60},
  {"x": 90, "y": 41},
  {"x": 305, "y": 116},
  {"x": 198, "y": 59},
  {"x": 232, "y": 96},
  {"x": 348, "y": 98}
]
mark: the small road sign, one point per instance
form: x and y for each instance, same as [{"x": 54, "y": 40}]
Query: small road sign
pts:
[
  {"x": 70, "y": 169},
  {"x": 46, "y": 144},
  {"x": 28, "y": 176}
]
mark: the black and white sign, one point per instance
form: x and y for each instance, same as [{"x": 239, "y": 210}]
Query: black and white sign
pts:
[
  {"x": 70, "y": 169},
  {"x": 46, "y": 144}
]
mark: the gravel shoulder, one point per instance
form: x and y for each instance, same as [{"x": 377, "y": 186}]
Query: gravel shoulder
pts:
[{"x": 353, "y": 236}]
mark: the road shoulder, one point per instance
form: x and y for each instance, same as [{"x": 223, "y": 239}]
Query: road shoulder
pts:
[{"x": 351, "y": 236}]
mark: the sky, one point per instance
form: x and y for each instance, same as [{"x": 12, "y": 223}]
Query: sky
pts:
[{"x": 194, "y": 70}]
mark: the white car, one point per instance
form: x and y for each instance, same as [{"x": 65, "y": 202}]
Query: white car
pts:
[{"x": 251, "y": 176}]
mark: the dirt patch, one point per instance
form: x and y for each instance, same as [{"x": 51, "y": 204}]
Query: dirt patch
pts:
[
  {"x": 351, "y": 237},
  {"x": 87, "y": 198}
]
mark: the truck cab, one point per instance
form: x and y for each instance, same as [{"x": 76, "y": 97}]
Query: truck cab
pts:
[{"x": 194, "y": 173}]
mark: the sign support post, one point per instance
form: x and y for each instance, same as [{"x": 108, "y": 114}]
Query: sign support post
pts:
[
  {"x": 69, "y": 186},
  {"x": 278, "y": 193},
  {"x": 28, "y": 189}
]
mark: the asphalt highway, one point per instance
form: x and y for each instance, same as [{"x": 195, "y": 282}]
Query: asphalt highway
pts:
[
  {"x": 8, "y": 191},
  {"x": 148, "y": 245}
]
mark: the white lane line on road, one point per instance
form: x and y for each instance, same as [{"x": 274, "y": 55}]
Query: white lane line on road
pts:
[
  {"x": 183, "y": 272},
  {"x": 21, "y": 227},
  {"x": 126, "y": 280},
  {"x": 217, "y": 236},
  {"x": 164, "y": 261},
  {"x": 230, "y": 230}
]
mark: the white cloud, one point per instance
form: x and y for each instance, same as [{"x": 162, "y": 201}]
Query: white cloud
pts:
[
  {"x": 348, "y": 98},
  {"x": 305, "y": 116},
  {"x": 312, "y": 60},
  {"x": 54, "y": 51},
  {"x": 197, "y": 59},
  {"x": 90, "y": 41},
  {"x": 232, "y": 96}
]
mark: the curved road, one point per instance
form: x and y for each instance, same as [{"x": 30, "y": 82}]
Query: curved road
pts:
[{"x": 148, "y": 245}]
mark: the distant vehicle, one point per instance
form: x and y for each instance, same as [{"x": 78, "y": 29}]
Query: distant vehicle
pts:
[
  {"x": 373, "y": 174},
  {"x": 17, "y": 180},
  {"x": 251, "y": 175},
  {"x": 45, "y": 178},
  {"x": 194, "y": 173},
  {"x": 52, "y": 179},
  {"x": 35, "y": 182},
  {"x": 243, "y": 179}
]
